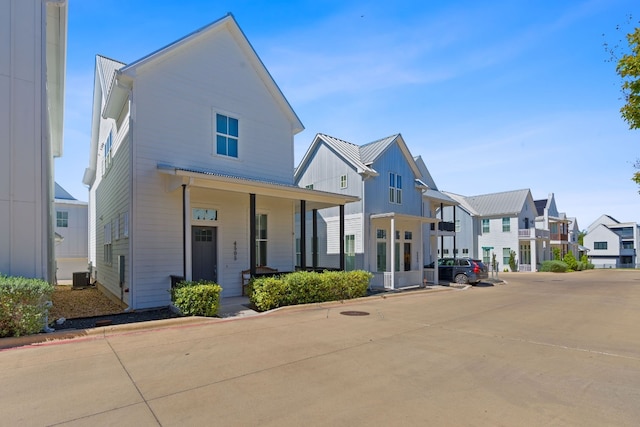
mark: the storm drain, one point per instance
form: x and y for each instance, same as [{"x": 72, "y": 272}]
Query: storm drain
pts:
[{"x": 354, "y": 313}]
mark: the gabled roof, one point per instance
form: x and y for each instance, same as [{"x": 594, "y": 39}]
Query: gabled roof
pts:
[
  {"x": 62, "y": 194},
  {"x": 504, "y": 203},
  {"x": 462, "y": 202},
  {"x": 119, "y": 87},
  {"x": 359, "y": 157},
  {"x": 540, "y": 206},
  {"x": 104, "y": 74}
]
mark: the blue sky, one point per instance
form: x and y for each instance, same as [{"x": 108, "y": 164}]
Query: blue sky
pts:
[{"x": 494, "y": 95}]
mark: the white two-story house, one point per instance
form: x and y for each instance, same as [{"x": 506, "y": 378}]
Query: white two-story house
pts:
[
  {"x": 191, "y": 172},
  {"x": 33, "y": 44},
  {"x": 613, "y": 244},
  {"x": 498, "y": 224},
  {"x": 71, "y": 234}
]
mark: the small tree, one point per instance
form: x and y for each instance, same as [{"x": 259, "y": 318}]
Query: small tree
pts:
[
  {"x": 512, "y": 261},
  {"x": 571, "y": 261},
  {"x": 556, "y": 254}
]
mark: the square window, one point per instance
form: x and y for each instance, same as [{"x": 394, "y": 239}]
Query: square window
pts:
[{"x": 62, "y": 219}]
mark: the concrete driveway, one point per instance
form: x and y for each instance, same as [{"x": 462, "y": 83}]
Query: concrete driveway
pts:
[{"x": 543, "y": 349}]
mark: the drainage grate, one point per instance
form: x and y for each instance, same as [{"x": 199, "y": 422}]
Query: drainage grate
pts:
[{"x": 354, "y": 313}]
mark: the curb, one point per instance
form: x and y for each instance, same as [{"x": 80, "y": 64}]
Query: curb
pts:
[{"x": 105, "y": 331}]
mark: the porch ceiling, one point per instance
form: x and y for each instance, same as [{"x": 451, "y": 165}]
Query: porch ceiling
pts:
[{"x": 208, "y": 179}]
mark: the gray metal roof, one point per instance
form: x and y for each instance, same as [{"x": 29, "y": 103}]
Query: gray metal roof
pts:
[
  {"x": 504, "y": 203},
  {"x": 462, "y": 202},
  {"x": 107, "y": 70},
  {"x": 371, "y": 151},
  {"x": 349, "y": 151}
]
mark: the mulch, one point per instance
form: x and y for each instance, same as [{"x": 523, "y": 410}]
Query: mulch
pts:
[{"x": 82, "y": 308}]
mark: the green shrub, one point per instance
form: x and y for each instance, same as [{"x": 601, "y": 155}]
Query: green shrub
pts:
[
  {"x": 512, "y": 261},
  {"x": 23, "y": 308},
  {"x": 201, "y": 298},
  {"x": 554, "y": 266},
  {"x": 571, "y": 261},
  {"x": 585, "y": 261},
  {"x": 308, "y": 287},
  {"x": 556, "y": 254}
]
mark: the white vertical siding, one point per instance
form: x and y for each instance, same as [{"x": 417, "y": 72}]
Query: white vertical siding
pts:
[{"x": 26, "y": 180}]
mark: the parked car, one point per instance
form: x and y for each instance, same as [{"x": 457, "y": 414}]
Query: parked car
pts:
[{"x": 461, "y": 270}]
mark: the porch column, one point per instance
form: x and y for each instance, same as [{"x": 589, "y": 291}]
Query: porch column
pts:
[
  {"x": 342, "y": 237},
  {"x": 252, "y": 234},
  {"x": 186, "y": 224},
  {"x": 455, "y": 255},
  {"x": 314, "y": 241},
  {"x": 303, "y": 235},
  {"x": 393, "y": 253},
  {"x": 534, "y": 254},
  {"x": 439, "y": 227}
]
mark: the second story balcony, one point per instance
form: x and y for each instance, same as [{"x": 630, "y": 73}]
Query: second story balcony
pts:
[
  {"x": 532, "y": 233},
  {"x": 444, "y": 226},
  {"x": 560, "y": 237}
]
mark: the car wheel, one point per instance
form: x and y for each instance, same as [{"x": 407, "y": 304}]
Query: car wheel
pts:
[{"x": 462, "y": 279}]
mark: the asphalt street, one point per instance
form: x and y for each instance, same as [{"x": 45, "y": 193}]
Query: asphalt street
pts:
[{"x": 542, "y": 349}]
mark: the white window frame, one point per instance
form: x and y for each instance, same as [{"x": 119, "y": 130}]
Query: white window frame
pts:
[
  {"x": 395, "y": 188},
  {"x": 107, "y": 153},
  {"x": 486, "y": 222},
  {"x": 343, "y": 182},
  {"x": 506, "y": 224},
  {"x": 226, "y": 135},
  {"x": 60, "y": 220},
  {"x": 260, "y": 240}
]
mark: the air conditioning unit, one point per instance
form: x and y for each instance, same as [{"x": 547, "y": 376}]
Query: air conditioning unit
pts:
[{"x": 80, "y": 279}]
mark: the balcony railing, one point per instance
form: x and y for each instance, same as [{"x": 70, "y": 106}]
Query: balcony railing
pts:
[
  {"x": 533, "y": 233},
  {"x": 560, "y": 237},
  {"x": 444, "y": 226}
]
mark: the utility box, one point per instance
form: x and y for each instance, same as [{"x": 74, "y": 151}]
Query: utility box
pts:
[{"x": 80, "y": 279}]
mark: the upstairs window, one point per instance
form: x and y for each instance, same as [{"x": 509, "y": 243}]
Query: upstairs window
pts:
[
  {"x": 107, "y": 153},
  {"x": 485, "y": 225},
  {"x": 600, "y": 245},
  {"x": 506, "y": 225},
  {"x": 395, "y": 188},
  {"x": 62, "y": 219},
  {"x": 343, "y": 181},
  {"x": 226, "y": 136}
]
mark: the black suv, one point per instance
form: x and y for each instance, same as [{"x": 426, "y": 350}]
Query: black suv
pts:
[{"x": 461, "y": 270}]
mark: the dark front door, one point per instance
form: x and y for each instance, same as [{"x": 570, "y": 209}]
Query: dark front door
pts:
[{"x": 204, "y": 253}]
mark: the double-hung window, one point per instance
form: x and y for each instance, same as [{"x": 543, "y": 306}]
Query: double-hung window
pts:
[
  {"x": 107, "y": 153},
  {"x": 485, "y": 225},
  {"x": 343, "y": 181},
  {"x": 506, "y": 224},
  {"x": 226, "y": 136},
  {"x": 395, "y": 188},
  {"x": 62, "y": 219}
]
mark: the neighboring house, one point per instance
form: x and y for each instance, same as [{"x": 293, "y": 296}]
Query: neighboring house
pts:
[
  {"x": 557, "y": 223},
  {"x": 613, "y": 244},
  {"x": 71, "y": 232},
  {"x": 385, "y": 230},
  {"x": 32, "y": 76},
  {"x": 191, "y": 169},
  {"x": 434, "y": 234},
  {"x": 497, "y": 224}
]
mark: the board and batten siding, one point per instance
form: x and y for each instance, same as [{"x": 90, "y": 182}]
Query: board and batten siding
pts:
[
  {"x": 26, "y": 171},
  {"x": 176, "y": 101},
  {"x": 377, "y": 188}
]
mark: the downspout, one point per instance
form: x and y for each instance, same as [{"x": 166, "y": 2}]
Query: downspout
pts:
[{"x": 184, "y": 231}]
